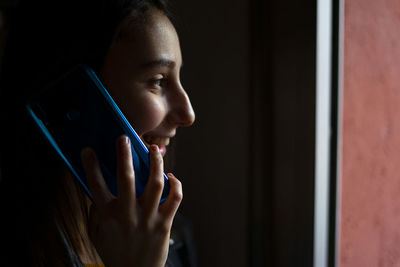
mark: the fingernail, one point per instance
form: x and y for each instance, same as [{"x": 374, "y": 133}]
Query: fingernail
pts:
[
  {"x": 127, "y": 140},
  {"x": 170, "y": 175},
  {"x": 154, "y": 148}
]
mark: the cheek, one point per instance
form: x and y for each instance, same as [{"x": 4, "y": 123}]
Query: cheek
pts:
[{"x": 145, "y": 113}]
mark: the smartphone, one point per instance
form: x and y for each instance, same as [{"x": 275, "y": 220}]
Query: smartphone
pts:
[{"x": 76, "y": 111}]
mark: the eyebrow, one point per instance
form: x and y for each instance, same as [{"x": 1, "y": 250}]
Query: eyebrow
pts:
[{"x": 160, "y": 63}]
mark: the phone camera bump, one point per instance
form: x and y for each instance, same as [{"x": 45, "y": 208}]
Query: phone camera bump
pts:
[{"x": 73, "y": 115}]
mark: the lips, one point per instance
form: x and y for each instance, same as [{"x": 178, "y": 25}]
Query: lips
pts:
[{"x": 161, "y": 142}]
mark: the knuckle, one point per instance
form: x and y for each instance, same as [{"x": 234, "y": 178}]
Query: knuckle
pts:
[
  {"x": 177, "y": 192},
  {"x": 146, "y": 227},
  {"x": 164, "y": 229},
  {"x": 158, "y": 184},
  {"x": 131, "y": 220},
  {"x": 158, "y": 160},
  {"x": 178, "y": 184},
  {"x": 177, "y": 196}
]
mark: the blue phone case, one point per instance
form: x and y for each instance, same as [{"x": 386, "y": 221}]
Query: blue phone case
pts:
[{"x": 77, "y": 111}]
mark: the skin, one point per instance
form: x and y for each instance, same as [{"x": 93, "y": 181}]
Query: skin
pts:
[{"x": 141, "y": 71}]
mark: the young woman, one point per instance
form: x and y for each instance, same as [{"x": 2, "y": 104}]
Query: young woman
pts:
[{"x": 47, "y": 220}]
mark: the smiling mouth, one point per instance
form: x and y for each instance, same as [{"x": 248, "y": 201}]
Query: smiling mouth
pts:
[{"x": 161, "y": 142}]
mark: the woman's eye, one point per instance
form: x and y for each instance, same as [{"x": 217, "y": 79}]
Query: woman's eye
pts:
[{"x": 157, "y": 82}]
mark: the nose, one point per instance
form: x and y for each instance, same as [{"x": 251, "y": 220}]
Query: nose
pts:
[{"x": 181, "y": 111}]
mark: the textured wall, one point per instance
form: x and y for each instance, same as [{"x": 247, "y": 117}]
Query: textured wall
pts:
[{"x": 370, "y": 215}]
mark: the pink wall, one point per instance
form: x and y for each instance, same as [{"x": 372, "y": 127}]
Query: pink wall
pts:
[{"x": 370, "y": 212}]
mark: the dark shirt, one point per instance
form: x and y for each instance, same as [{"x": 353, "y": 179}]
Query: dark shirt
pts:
[{"x": 182, "y": 249}]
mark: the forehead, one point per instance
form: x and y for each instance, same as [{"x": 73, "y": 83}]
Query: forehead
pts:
[{"x": 149, "y": 38}]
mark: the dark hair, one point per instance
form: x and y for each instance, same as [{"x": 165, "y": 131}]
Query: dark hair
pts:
[{"x": 47, "y": 38}]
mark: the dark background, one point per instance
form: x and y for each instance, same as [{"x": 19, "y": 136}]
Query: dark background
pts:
[{"x": 247, "y": 164}]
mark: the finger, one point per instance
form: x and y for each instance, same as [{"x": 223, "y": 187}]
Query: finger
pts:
[
  {"x": 97, "y": 185},
  {"x": 169, "y": 208},
  {"x": 125, "y": 174},
  {"x": 152, "y": 192}
]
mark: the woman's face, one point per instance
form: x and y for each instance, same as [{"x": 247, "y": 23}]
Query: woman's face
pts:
[{"x": 142, "y": 74}]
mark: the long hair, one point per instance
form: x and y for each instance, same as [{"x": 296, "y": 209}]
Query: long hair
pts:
[{"x": 37, "y": 199}]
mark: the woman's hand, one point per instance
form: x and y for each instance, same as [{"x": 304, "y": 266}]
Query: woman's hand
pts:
[{"x": 127, "y": 231}]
